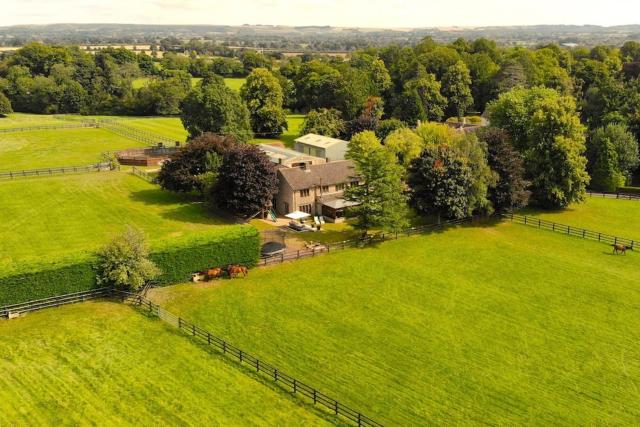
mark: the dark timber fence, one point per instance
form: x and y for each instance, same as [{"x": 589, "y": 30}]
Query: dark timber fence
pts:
[
  {"x": 283, "y": 379},
  {"x": 98, "y": 167},
  {"x": 50, "y": 127},
  {"x": 569, "y": 230},
  {"x": 618, "y": 195},
  {"x": 354, "y": 243},
  {"x": 29, "y": 306}
]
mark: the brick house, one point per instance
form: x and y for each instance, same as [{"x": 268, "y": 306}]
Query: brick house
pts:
[{"x": 315, "y": 189}]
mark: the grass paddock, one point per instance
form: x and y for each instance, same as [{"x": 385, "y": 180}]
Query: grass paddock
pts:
[
  {"x": 497, "y": 324},
  {"x": 104, "y": 362},
  {"x": 46, "y": 218}
]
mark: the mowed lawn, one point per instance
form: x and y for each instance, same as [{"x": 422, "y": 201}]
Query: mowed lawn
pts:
[
  {"x": 19, "y": 120},
  {"x": 617, "y": 217},
  {"x": 58, "y": 147},
  {"x": 104, "y": 363},
  {"x": 497, "y": 324},
  {"x": 171, "y": 127},
  {"x": 46, "y": 218},
  {"x": 294, "y": 121}
]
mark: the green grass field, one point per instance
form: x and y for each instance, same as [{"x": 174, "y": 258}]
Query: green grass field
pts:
[
  {"x": 141, "y": 82},
  {"x": 496, "y": 324},
  {"x": 46, "y": 218},
  {"x": 18, "y": 120},
  {"x": 59, "y": 147},
  {"x": 235, "y": 83},
  {"x": 611, "y": 216},
  {"x": 105, "y": 363},
  {"x": 294, "y": 122},
  {"x": 170, "y": 127}
]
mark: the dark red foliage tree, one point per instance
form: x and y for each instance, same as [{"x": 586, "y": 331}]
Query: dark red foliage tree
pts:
[
  {"x": 246, "y": 182},
  {"x": 183, "y": 171}
]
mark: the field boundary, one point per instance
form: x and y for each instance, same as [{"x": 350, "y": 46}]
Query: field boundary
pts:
[
  {"x": 139, "y": 135},
  {"x": 624, "y": 196},
  {"x": 83, "y": 124},
  {"x": 569, "y": 230},
  {"x": 143, "y": 174},
  {"x": 281, "y": 378},
  {"x": 14, "y": 310},
  {"x": 356, "y": 243},
  {"x": 270, "y": 371},
  {"x": 45, "y": 172}
]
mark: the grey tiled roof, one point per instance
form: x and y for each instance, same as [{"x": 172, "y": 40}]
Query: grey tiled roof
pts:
[{"x": 331, "y": 173}]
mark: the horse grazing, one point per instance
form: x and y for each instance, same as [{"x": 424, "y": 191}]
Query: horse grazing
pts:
[
  {"x": 214, "y": 273},
  {"x": 622, "y": 249},
  {"x": 236, "y": 270}
]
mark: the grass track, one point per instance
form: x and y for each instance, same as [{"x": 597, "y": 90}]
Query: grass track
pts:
[
  {"x": 44, "y": 218},
  {"x": 104, "y": 363},
  {"x": 500, "y": 324}
]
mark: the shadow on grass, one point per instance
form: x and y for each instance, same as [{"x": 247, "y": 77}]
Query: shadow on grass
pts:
[
  {"x": 158, "y": 196},
  {"x": 196, "y": 214}
]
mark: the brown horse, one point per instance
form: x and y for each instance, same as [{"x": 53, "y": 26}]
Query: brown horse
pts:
[
  {"x": 236, "y": 270},
  {"x": 622, "y": 249},
  {"x": 214, "y": 273}
]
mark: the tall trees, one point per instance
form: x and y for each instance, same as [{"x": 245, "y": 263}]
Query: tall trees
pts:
[
  {"x": 380, "y": 195},
  {"x": 194, "y": 167},
  {"x": 510, "y": 189},
  {"x": 612, "y": 152},
  {"x": 420, "y": 100},
  {"x": 326, "y": 122},
  {"x": 456, "y": 86},
  {"x": 439, "y": 179},
  {"x": 246, "y": 182},
  {"x": 546, "y": 129},
  {"x": 215, "y": 108},
  {"x": 264, "y": 97}
]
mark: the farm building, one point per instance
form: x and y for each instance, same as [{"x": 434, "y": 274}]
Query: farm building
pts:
[
  {"x": 324, "y": 147},
  {"x": 315, "y": 189},
  {"x": 289, "y": 158}
]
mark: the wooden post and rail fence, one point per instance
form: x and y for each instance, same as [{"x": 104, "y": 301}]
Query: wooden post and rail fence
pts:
[{"x": 266, "y": 369}]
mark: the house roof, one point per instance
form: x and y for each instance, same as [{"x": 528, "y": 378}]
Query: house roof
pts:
[
  {"x": 322, "y": 174},
  {"x": 279, "y": 154},
  {"x": 319, "y": 140}
]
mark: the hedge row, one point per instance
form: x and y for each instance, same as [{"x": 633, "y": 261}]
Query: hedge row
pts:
[
  {"x": 629, "y": 190},
  {"x": 240, "y": 245}
]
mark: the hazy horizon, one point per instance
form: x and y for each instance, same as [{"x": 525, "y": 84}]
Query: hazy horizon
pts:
[{"x": 354, "y": 13}]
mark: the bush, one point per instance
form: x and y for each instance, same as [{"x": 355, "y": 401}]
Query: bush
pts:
[
  {"x": 124, "y": 262},
  {"x": 5, "y": 105},
  {"x": 177, "y": 260}
]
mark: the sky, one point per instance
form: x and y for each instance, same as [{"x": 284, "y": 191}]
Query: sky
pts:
[{"x": 340, "y": 13}]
